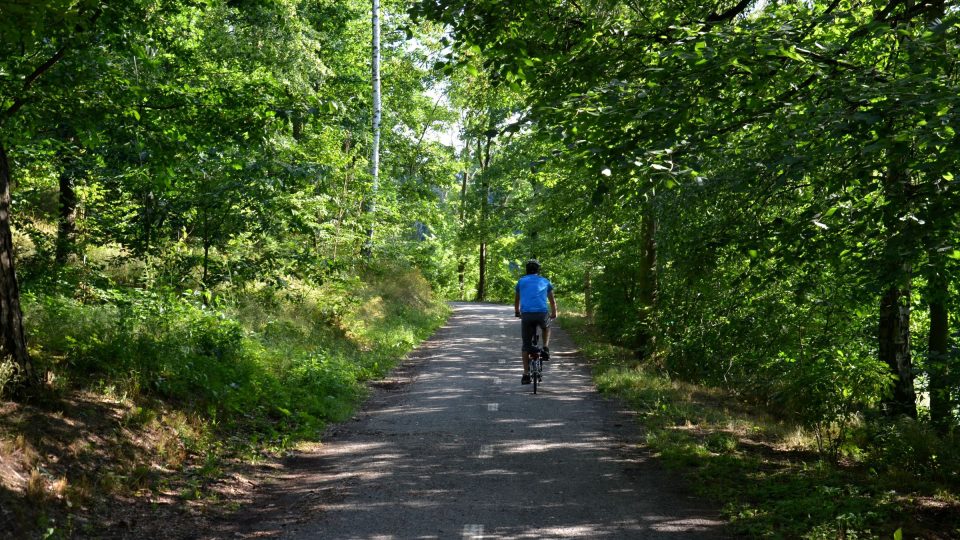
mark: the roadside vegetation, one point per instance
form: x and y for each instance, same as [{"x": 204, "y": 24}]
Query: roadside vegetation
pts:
[
  {"x": 152, "y": 398},
  {"x": 197, "y": 271},
  {"x": 759, "y": 197},
  {"x": 769, "y": 472},
  {"x": 757, "y": 205}
]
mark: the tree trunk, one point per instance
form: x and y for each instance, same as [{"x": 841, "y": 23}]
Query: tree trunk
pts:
[
  {"x": 462, "y": 260},
  {"x": 296, "y": 125},
  {"x": 67, "y": 224},
  {"x": 13, "y": 344},
  {"x": 939, "y": 362},
  {"x": 894, "y": 323},
  {"x": 939, "y": 368},
  {"x": 895, "y": 350},
  {"x": 375, "y": 150},
  {"x": 588, "y": 293},
  {"x": 484, "y": 210},
  {"x": 147, "y": 209},
  {"x": 482, "y": 282},
  {"x": 646, "y": 294}
]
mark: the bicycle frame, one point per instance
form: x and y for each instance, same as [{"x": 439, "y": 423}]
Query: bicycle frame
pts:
[{"x": 536, "y": 360}]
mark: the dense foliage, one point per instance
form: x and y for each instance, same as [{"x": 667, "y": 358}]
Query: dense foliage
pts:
[
  {"x": 177, "y": 148},
  {"x": 758, "y": 194},
  {"x": 185, "y": 207}
]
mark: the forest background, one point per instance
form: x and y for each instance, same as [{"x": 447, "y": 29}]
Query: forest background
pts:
[{"x": 757, "y": 196}]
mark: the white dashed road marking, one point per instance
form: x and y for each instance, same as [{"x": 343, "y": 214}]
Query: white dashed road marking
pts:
[
  {"x": 493, "y": 407},
  {"x": 486, "y": 451}
]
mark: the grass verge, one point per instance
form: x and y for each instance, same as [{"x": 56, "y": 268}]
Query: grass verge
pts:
[
  {"x": 152, "y": 398},
  {"x": 765, "y": 472}
]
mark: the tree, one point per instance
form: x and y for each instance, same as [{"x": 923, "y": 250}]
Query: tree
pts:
[
  {"x": 375, "y": 149},
  {"x": 780, "y": 145},
  {"x": 23, "y": 38}
]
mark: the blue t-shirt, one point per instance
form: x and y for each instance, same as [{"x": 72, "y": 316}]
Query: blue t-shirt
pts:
[{"x": 533, "y": 291}]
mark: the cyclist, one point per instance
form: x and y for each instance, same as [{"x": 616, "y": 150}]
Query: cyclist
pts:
[{"x": 530, "y": 298}]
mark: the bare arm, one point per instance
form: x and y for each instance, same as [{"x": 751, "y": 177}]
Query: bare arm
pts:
[
  {"x": 553, "y": 305},
  {"x": 516, "y": 304}
]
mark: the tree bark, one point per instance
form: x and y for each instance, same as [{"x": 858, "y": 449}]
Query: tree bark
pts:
[
  {"x": 296, "y": 125},
  {"x": 646, "y": 293},
  {"x": 894, "y": 322},
  {"x": 484, "y": 210},
  {"x": 375, "y": 150},
  {"x": 939, "y": 365},
  {"x": 895, "y": 350},
  {"x": 13, "y": 344},
  {"x": 462, "y": 260},
  {"x": 588, "y": 293},
  {"x": 67, "y": 224},
  {"x": 939, "y": 368},
  {"x": 482, "y": 282}
]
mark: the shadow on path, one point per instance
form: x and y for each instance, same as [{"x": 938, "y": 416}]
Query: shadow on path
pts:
[{"x": 461, "y": 450}]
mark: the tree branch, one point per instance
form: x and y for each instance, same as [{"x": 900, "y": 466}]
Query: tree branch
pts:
[
  {"x": 42, "y": 68},
  {"x": 729, "y": 14},
  {"x": 20, "y": 101}
]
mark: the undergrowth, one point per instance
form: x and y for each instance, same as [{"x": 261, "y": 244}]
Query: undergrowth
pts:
[
  {"x": 194, "y": 379},
  {"x": 766, "y": 472},
  {"x": 280, "y": 363}
]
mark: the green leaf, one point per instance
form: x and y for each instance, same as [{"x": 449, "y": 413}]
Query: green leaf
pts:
[
  {"x": 792, "y": 54},
  {"x": 898, "y": 534},
  {"x": 737, "y": 63}
]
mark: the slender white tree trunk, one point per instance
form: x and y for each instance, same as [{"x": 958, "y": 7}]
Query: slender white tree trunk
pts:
[{"x": 375, "y": 151}]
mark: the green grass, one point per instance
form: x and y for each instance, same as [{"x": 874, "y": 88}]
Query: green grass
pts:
[
  {"x": 165, "y": 392},
  {"x": 278, "y": 364},
  {"x": 764, "y": 472}
]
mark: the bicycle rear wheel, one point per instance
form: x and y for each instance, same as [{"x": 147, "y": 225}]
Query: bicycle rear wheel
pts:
[{"x": 535, "y": 371}]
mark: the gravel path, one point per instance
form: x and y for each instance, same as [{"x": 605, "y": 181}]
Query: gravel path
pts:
[{"x": 455, "y": 447}]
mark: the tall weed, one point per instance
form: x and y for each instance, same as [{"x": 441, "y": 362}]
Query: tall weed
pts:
[{"x": 276, "y": 361}]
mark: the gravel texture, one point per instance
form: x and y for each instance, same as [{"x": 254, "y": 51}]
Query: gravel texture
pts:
[{"x": 452, "y": 446}]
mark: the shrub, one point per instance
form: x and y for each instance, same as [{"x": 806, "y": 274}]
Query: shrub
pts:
[{"x": 279, "y": 361}]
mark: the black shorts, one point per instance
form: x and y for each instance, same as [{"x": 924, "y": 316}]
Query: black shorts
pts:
[{"x": 528, "y": 327}]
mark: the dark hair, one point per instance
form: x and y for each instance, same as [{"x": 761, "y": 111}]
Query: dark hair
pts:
[{"x": 533, "y": 266}]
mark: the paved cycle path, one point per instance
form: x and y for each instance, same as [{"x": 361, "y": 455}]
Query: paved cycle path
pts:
[{"x": 455, "y": 447}]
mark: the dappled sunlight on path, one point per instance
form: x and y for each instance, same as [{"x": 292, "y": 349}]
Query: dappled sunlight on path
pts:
[{"x": 464, "y": 451}]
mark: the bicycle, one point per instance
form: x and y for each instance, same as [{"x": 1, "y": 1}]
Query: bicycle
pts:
[{"x": 537, "y": 357}]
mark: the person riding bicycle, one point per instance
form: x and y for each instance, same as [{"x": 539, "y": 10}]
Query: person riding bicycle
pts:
[{"x": 530, "y": 298}]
